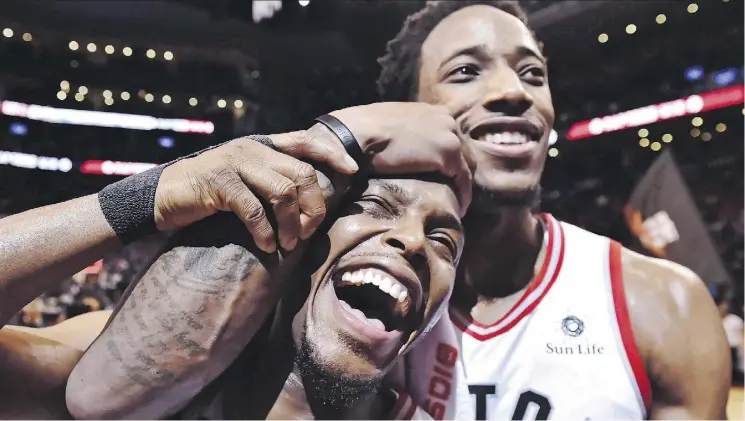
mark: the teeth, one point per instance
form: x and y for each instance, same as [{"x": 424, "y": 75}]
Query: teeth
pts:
[
  {"x": 386, "y": 284},
  {"x": 506, "y": 138}
]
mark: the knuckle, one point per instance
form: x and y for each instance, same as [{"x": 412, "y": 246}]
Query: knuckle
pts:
[
  {"x": 283, "y": 192},
  {"x": 253, "y": 212},
  {"x": 306, "y": 173}
]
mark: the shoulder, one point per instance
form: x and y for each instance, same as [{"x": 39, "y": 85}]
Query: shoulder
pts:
[{"x": 678, "y": 332}]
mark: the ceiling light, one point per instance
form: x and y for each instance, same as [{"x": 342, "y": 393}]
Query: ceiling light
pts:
[
  {"x": 168, "y": 55},
  {"x": 655, "y": 146},
  {"x": 7, "y": 32},
  {"x": 107, "y": 94},
  {"x": 79, "y": 97},
  {"x": 192, "y": 101},
  {"x": 553, "y": 152},
  {"x": 127, "y": 51},
  {"x": 303, "y": 2},
  {"x": 150, "y": 53},
  {"x": 108, "y": 101},
  {"x": 697, "y": 121},
  {"x": 221, "y": 103},
  {"x": 643, "y": 132},
  {"x": 630, "y": 29},
  {"x": 91, "y": 47},
  {"x": 64, "y": 85},
  {"x": 706, "y": 137},
  {"x": 695, "y": 132},
  {"x": 149, "y": 97},
  {"x": 125, "y": 95},
  {"x": 692, "y": 8},
  {"x": 603, "y": 38},
  {"x": 83, "y": 90},
  {"x": 721, "y": 127},
  {"x": 73, "y": 45},
  {"x": 667, "y": 138},
  {"x": 61, "y": 95},
  {"x": 644, "y": 142},
  {"x": 109, "y": 49},
  {"x": 238, "y": 103},
  {"x": 660, "y": 19},
  {"x": 27, "y": 37},
  {"x": 166, "y": 99}
]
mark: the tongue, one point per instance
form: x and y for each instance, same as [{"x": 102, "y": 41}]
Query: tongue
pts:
[{"x": 376, "y": 323}]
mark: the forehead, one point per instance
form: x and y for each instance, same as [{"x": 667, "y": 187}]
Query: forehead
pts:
[
  {"x": 497, "y": 31},
  {"x": 416, "y": 193}
]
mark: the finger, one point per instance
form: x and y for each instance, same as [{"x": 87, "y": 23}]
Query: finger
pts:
[
  {"x": 318, "y": 144},
  {"x": 309, "y": 193},
  {"x": 281, "y": 193},
  {"x": 240, "y": 200},
  {"x": 464, "y": 182}
]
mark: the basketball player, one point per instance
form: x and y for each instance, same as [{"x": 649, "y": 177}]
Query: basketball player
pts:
[
  {"x": 381, "y": 274},
  {"x": 555, "y": 322}
]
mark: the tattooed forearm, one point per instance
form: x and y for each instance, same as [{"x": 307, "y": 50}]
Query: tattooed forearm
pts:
[{"x": 188, "y": 317}]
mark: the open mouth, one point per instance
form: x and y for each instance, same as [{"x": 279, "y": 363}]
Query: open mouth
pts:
[
  {"x": 507, "y": 132},
  {"x": 375, "y": 298}
]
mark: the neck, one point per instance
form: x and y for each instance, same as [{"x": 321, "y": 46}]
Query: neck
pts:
[
  {"x": 294, "y": 403},
  {"x": 501, "y": 251}
]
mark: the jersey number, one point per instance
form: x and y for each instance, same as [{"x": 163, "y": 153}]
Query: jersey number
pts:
[{"x": 526, "y": 398}]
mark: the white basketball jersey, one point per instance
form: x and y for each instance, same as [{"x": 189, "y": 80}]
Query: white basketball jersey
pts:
[{"x": 565, "y": 350}]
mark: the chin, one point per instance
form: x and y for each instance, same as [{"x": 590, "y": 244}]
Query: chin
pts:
[{"x": 499, "y": 188}]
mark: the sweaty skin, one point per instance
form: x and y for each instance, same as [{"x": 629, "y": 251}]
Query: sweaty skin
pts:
[{"x": 482, "y": 63}]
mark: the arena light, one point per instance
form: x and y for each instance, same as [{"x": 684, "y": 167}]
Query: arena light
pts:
[
  {"x": 603, "y": 38},
  {"x": 79, "y": 97},
  {"x": 303, "y": 2},
  {"x": 720, "y": 127},
  {"x": 108, "y": 101},
  {"x": 18, "y": 129},
  {"x": 83, "y": 90},
  {"x": 91, "y": 47},
  {"x": 7, "y": 32},
  {"x": 238, "y": 103},
  {"x": 695, "y": 132},
  {"x": 706, "y": 136},
  {"x": 660, "y": 19},
  {"x": 150, "y": 53},
  {"x": 73, "y": 45},
  {"x": 168, "y": 55},
  {"x": 166, "y": 99},
  {"x": 35, "y": 162},
  {"x": 103, "y": 119},
  {"x": 109, "y": 49},
  {"x": 64, "y": 85},
  {"x": 27, "y": 37},
  {"x": 553, "y": 137},
  {"x": 725, "y": 77},
  {"x": 697, "y": 121},
  {"x": 61, "y": 95},
  {"x": 98, "y": 167},
  {"x": 650, "y": 114},
  {"x": 127, "y": 51},
  {"x": 192, "y": 102},
  {"x": 553, "y": 152},
  {"x": 107, "y": 94},
  {"x": 125, "y": 96},
  {"x": 644, "y": 142},
  {"x": 667, "y": 138},
  {"x": 692, "y": 8},
  {"x": 630, "y": 29},
  {"x": 655, "y": 146},
  {"x": 221, "y": 103},
  {"x": 149, "y": 97},
  {"x": 694, "y": 73},
  {"x": 643, "y": 133}
]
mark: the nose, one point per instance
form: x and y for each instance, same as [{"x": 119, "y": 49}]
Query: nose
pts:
[
  {"x": 506, "y": 93},
  {"x": 409, "y": 239}
]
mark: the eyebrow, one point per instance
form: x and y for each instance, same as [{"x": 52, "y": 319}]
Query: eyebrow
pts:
[
  {"x": 401, "y": 193},
  {"x": 481, "y": 52}
]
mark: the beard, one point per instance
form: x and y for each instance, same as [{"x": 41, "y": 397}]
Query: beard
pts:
[
  {"x": 490, "y": 201},
  {"x": 326, "y": 385}
]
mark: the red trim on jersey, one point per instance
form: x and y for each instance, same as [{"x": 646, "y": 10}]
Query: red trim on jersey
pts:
[
  {"x": 466, "y": 323},
  {"x": 400, "y": 402},
  {"x": 624, "y": 325},
  {"x": 405, "y": 407}
]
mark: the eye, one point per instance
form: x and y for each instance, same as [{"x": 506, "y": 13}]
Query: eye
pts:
[
  {"x": 444, "y": 240},
  {"x": 376, "y": 207},
  {"x": 534, "y": 74},
  {"x": 463, "y": 73}
]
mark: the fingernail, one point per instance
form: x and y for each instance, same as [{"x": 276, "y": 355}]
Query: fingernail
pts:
[{"x": 351, "y": 164}]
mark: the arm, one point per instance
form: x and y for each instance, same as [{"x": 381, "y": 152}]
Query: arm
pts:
[
  {"x": 40, "y": 247},
  {"x": 680, "y": 336},
  {"x": 39, "y": 361},
  {"x": 186, "y": 320}
]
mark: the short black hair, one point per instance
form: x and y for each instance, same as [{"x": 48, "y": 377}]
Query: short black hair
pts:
[{"x": 400, "y": 65}]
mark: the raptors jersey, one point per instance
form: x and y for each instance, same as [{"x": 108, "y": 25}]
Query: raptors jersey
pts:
[{"x": 565, "y": 350}]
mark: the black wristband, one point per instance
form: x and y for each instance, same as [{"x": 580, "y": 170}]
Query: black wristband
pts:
[
  {"x": 129, "y": 205},
  {"x": 345, "y": 136}
]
